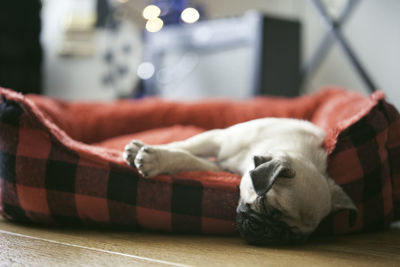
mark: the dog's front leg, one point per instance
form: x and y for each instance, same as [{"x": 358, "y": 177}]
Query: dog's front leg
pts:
[
  {"x": 153, "y": 160},
  {"x": 206, "y": 144},
  {"x": 177, "y": 156}
]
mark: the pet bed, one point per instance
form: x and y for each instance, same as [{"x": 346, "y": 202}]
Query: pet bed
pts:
[{"x": 60, "y": 161}]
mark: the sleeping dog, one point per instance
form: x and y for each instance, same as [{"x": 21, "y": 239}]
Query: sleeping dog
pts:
[{"x": 285, "y": 190}]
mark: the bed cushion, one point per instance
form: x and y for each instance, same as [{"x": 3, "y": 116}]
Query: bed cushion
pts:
[{"x": 60, "y": 162}]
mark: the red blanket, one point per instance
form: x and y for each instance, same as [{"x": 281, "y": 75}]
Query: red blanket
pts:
[{"x": 60, "y": 162}]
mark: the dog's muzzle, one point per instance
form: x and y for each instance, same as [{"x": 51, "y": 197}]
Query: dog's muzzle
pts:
[{"x": 265, "y": 229}]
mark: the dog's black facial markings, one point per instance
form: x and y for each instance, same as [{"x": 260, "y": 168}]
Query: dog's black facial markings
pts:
[{"x": 266, "y": 227}]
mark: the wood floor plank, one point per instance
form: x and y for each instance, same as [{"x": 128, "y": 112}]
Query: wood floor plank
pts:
[
  {"x": 374, "y": 249},
  {"x": 26, "y": 251}
]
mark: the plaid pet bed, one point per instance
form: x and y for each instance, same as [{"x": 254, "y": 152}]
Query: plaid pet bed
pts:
[{"x": 60, "y": 162}]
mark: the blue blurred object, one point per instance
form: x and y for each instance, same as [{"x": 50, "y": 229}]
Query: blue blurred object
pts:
[{"x": 171, "y": 10}]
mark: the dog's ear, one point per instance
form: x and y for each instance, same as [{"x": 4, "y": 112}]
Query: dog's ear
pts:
[
  {"x": 258, "y": 160},
  {"x": 341, "y": 201},
  {"x": 266, "y": 173}
]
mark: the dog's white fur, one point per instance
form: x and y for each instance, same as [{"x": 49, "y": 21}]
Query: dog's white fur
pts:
[{"x": 303, "y": 200}]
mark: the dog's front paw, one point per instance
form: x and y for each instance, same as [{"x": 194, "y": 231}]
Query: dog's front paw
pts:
[
  {"x": 148, "y": 161},
  {"x": 131, "y": 150}
]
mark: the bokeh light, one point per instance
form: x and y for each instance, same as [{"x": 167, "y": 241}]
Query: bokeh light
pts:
[
  {"x": 154, "y": 25},
  {"x": 151, "y": 12},
  {"x": 145, "y": 70},
  {"x": 190, "y": 15}
]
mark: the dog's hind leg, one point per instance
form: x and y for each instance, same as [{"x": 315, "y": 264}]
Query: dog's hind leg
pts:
[{"x": 153, "y": 160}]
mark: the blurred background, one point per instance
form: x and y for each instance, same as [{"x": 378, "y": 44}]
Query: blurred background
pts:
[{"x": 193, "y": 49}]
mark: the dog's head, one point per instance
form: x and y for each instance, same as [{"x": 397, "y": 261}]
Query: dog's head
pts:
[{"x": 283, "y": 200}]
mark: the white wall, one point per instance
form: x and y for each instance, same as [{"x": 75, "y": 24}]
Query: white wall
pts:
[{"x": 373, "y": 32}]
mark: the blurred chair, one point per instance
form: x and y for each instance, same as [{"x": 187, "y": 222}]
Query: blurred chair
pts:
[{"x": 334, "y": 35}]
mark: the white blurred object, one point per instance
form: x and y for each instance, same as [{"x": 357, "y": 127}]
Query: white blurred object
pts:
[
  {"x": 82, "y": 76},
  {"x": 190, "y": 15},
  {"x": 151, "y": 12},
  {"x": 154, "y": 25},
  {"x": 145, "y": 70},
  {"x": 215, "y": 58},
  {"x": 125, "y": 47}
]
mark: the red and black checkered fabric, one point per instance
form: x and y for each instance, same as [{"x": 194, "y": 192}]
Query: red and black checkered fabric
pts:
[
  {"x": 51, "y": 173},
  {"x": 365, "y": 162}
]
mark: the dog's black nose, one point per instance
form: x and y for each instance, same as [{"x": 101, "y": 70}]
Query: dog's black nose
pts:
[
  {"x": 249, "y": 224},
  {"x": 265, "y": 229}
]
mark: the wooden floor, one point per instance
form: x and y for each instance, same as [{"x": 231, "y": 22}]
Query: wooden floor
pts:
[{"x": 36, "y": 246}]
